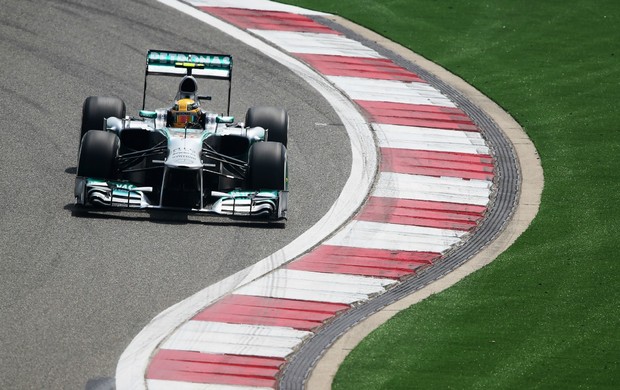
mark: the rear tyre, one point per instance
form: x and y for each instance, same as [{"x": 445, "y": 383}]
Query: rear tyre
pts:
[
  {"x": 97, "y": 108},
  {"x": 268, "y": 167},
  {"x": 98, "y": 152},
  {"x": 274, "y": 120}
]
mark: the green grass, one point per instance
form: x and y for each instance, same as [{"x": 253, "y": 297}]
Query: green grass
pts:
[{"x": 546, "y": 313}]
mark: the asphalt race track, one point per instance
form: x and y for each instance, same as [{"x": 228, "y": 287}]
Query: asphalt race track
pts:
[{"x": 75, "y": 289}]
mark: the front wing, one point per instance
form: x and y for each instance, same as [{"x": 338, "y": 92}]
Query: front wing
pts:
[{"x": 264, "y": 204}]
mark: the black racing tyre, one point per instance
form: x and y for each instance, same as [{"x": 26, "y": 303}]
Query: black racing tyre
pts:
[
  {"x": 98, "y": 152},
  {"x": 272, "y": 119},
  {"x": 268, "y": 166},
  {"x": 96, "y": 108}
]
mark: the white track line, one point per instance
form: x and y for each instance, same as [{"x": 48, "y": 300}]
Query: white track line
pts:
[{"x": 135, "y": 359}]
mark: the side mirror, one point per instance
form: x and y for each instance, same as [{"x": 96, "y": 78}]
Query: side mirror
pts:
[
  {"x": 148, "y": 114},
  {"x": 224, "y": 119},
  {"x": 204, "y": 97}
]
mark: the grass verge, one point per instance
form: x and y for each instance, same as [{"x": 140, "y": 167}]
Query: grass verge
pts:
[{"x": 545, "y": 314}]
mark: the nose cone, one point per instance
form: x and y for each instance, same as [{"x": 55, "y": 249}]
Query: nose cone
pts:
[{"x": 184, "y": 153}]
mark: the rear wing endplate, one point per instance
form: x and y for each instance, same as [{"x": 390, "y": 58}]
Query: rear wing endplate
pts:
[{"x": 198, "y": 65}]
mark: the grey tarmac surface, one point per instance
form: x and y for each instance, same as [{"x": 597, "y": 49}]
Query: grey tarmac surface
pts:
[{"x": 74, "y": 290}]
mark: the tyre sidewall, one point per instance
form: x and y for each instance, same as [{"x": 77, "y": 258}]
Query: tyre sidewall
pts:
[
  {"x": 96, "y": 108},
  {"x": 274, "y": 120},
  {"x": 268, "y": 167},
  {"x": 97, "y": 156}
]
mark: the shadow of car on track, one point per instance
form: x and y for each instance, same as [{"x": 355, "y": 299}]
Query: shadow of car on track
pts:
[{"x": 101, "y": 384}]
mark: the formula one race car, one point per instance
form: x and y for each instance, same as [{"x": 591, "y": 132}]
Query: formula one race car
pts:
[{"x": 184, "y": 157}]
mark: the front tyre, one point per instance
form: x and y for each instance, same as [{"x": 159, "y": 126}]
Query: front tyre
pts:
[
  {"x": 268, "y": 167},
  {"x": 98, "y": 153},
  {"x": 274, "y": 120},
  {"x": 97, "y": 108}
]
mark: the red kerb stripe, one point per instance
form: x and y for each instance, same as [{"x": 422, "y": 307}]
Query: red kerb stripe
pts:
[
  {"x": 431, "y": 163},
  {"x": 421, "y": 213},
  {"x": 361, "y": 261},
  {"x": 245, "y": 309},
  {"x": 371, "y": 68},
  {"x": 268, "y": 20},
  {"x": 419, "y": 115},
  {"x": 212, "y": 358},
  {"x": 188, "y": 366}
]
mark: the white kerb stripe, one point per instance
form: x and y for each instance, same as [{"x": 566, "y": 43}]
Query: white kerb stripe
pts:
[
  {"x": 376, "y": 235},
  {"x": 422, "y": 138},
  {"x": 316, "y": 43},
  {"x": 261, "y": 289},
  {"x": 216, "y": 347},
  {"x": 315, "y": 286},
  {"x": 158, "y": 384},
  {"x": 240, "y": 339},
  {"x": 324, "y": 282},
  {"x": 261, "y": 5},
  {"x": 438, "y": 189},
  {"x": 390, "y": 91},
  {"x": 321, "y": 277},
  {"x": 241, "y": 329}
]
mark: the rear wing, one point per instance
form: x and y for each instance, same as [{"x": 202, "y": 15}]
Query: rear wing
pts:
[{"x": 198, "y": 65}]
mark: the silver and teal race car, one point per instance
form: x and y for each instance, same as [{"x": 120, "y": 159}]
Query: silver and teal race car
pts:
[{"x": 183, "y": 157}]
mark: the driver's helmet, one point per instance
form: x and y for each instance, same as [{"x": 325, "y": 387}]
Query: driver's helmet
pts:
[{"x": 183, "y": 112}]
